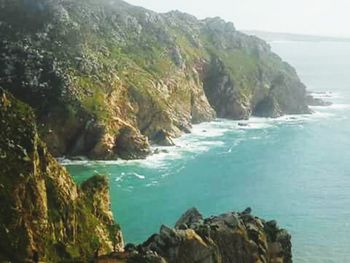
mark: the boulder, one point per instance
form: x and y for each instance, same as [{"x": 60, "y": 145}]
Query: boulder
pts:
[
  {"x": 130, "y": 144},
  {"x": 227, "y": 238},
  {"x": 163, "y": 138}
]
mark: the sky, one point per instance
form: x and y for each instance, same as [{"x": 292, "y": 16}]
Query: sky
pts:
[{"x": 315, "y": 17}]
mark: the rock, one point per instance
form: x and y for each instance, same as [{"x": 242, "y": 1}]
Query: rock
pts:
[
  {"x": 227, "y": 238},
  {"x": 130, "y": 248},
  {"x": 242, "y": 124},
  {"x": 78, "y": 158},
  {"x": 190, "y": 217},
  {"x": 158, "y": 151},
  {"x": 44, "y": 215},
  {"x": 268, "y": 107},
  {"x": 131, "y": 145},
  {"x": 311, "y": 101},
  {"x": 163, "y": 138},
  {"x": 247, "y": 211}
]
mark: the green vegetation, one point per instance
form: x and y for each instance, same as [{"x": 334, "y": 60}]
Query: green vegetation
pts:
[
  {"x": 44, "y": 214},
  {"x": 116, "y": 65}
]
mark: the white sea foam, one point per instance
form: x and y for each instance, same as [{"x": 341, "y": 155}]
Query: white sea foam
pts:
[
  {"x": 339, "y": 106},
  {"x": 325, "y": 95},
  {"x": 209, "y": 135},
  {"x": 139, "y": 176}
]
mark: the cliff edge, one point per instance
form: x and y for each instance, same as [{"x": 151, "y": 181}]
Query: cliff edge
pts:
[
  {"x": 106, "y": 78},
  {"x": 44, "y": 215}
]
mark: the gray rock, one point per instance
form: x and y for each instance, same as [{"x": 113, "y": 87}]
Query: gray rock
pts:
[
  {"x": 163, "y": 138},
  {"x": 190, "y": 217}
]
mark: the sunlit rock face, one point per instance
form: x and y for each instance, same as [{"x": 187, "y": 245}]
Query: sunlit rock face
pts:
[
  {"x": 227, "y": 238},
  {"x": 44, "y": 215},
  {"x": 92, "y": 70}
]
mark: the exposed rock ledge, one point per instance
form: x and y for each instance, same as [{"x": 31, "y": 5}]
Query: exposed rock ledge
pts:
[{"x": 227, "y": 238}]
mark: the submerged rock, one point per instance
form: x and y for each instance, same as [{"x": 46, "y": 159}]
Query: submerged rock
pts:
[{"x": 242, "y": 124}]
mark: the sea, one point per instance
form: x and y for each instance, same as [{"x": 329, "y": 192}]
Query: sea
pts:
[{"x": 294, "y": 169}]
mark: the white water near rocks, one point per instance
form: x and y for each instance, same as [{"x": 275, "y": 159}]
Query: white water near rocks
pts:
[{"x": 294, "y": 169}]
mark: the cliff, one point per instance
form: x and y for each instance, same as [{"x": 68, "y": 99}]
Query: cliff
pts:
[
  {"x": 227, "y": 238},
  {"x": 106, "y": 79},
  {"x": 44, "y": 216}
]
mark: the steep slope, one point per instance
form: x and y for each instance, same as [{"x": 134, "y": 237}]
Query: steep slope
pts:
[
  {"x": 105, "y": 77},
  {"x": 45, "y": 217},
  {"x": 43, "y": 214}
]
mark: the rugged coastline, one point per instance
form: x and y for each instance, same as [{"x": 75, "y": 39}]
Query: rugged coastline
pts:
[
  {"x": 108, "y": 79},
  {"x": 60, "y": 221}
]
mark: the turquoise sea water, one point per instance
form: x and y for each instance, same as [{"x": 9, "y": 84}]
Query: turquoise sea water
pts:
[{"x": 294, "y": 169}]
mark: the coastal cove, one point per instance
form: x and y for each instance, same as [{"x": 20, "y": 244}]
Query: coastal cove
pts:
[{"x": 294, "y": 169}]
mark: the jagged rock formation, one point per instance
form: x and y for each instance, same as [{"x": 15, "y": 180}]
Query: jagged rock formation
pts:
[
  {"x": 105, "y": 77},
  {"x": 44, "y": 216},
  {"x": 227, "y": 238},
  {"x": 311, "y": 101}
]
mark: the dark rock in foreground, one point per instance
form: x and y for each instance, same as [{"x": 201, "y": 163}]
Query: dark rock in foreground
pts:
[{"x": 227, "y": 238}]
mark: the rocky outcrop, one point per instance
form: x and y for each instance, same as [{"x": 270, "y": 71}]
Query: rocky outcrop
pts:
[
  {"x": 162, "y": 138},
  {"x": 101, "y": 74},
  {"x": 311, "y": 101},
  {"x": 227, "y": 238},
  {"x": 44, "y": 215},
  {"x": 131, "y": 145}
]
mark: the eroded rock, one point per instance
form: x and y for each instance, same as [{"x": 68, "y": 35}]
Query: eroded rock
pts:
[
  {"x": 227, "y": 238},
  {"x": 44, "y": 215}
]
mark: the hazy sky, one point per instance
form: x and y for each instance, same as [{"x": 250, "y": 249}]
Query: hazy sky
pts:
[{"x": 318, "y": 17}]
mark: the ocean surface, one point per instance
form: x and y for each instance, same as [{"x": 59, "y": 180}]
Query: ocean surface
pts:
[{"x": 294, "y": 169}]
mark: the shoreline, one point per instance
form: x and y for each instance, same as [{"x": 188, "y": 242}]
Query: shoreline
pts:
[{"x": 207, "y": 131}]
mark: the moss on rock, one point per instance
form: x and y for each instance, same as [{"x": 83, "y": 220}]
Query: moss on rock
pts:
[
  {"x": 110, "y": 65},
  {"x": 44, "y": 215}
]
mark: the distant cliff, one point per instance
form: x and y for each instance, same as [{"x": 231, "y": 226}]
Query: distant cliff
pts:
[
  {"x": 106, "y": 78},
  {"x": 44, "y": 216},
  {"x": 278, "y": 36}
]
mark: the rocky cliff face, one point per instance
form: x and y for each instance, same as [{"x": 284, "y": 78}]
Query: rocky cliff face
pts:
[
  {"x": 44, "y": 216},
  {"x": 227, "y": 238},
  {"x": 105, "y": 77}
]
